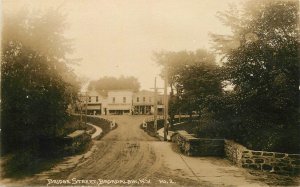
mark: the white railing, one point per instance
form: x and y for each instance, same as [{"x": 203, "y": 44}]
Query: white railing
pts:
[{"x": 148, "y": 119}]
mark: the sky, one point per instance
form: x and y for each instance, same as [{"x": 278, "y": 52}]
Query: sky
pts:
[{"x": 118, "y": 37}]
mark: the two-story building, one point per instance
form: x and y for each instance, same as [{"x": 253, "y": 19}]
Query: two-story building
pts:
[
  {"x": 91, "y": 102},
  {"x": 119, "y": 102},
  {"x": 143, "y": 102}
]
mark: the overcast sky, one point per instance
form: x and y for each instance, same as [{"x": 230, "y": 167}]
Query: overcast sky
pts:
[{"x": 118, "y": 37}]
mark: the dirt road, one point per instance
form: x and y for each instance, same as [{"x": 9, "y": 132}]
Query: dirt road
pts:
[
  {"x": 128, "y": 156},
  {"x": 127, "y": 153}
]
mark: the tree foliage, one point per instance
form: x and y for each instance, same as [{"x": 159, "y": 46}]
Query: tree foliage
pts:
[
  {"x": 36, "y": 84},
  {"x": 104, "y": 84},
  {"x": 261, "y": 60},
  {"x": 193, "y": 78}
]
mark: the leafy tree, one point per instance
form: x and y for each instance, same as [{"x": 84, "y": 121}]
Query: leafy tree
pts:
[
  {"x": 112, "y": 83},
  {"x": 197, "y": 82},
  {"x": 261, "y": 60},
  {"x": 34, "y": 88},
  {"x": 193, "y": 76}
]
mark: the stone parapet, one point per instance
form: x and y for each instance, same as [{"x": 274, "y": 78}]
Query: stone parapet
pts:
[
  {"x": 192, "y": 146},
  {"x": 282, "y": 163},
  {"x": 275, "y": 162}
]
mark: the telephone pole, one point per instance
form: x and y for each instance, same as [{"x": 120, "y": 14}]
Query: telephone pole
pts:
[
  {"x": 166, "y": 104},
  {"x": 155, "y": 106},
  {"x": 86, "y": 103},
  {"x": 81, "y": 103}
]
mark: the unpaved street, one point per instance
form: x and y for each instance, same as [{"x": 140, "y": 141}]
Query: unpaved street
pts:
[{"x": 127, "y": 153}]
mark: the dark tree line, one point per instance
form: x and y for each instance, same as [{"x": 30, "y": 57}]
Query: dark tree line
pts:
[
  {"x": 261, "y": 62},
  {"x": 36, "y": 83},
  {"x": 264, "y": 68},
  {"x": 193, "y": 78},
  {"x": 105, "y": 84}
]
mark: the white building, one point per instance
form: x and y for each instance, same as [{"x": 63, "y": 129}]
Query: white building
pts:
[
  {"x": 91, "y": 102},
  {"x": 143, "y": 102},
  {"x": 119, "y": 102}
]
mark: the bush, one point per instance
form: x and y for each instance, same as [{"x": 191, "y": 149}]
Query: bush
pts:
[
  {"x": 256, "y": 137},
  {"x": 262, "y": 110},
  {"x": 21, "y": 160}
]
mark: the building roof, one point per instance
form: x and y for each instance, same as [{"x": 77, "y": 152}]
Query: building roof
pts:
[
  {"x": 120, "y": 90},
  {"x": 93, "y": 93},
  {"x": 145, "y": 92}
]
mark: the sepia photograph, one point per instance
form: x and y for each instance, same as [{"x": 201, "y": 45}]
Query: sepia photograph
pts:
[{"x": 150, "y": 93}]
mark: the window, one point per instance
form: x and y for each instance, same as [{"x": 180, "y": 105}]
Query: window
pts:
[
  {"x": 144, "y": 99},
  {"x": 113, "y": 99},
  {"x": 137, "y": 99},
  {"x": 124, "y": 99},
  {"x": 96, "y": 98},
  {"x": 159, "y": 101},
  {"x": 90, "y": 99},
  {"x": 150, "y": 99}
]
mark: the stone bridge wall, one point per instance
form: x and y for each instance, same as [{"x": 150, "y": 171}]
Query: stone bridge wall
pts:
[
  {"x": 192, "y": 146},
  {"x": 281, "y": 163}
]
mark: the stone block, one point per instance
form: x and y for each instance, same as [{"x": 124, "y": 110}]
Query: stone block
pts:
[
  {"x": 279, "y": 155},
  {"x": 258, "y": 160},
  {"x": 256, "y": 153},
  {"x": 268, "y": 154},
  {"x": 286, "y": 161},
  {"x": 280, "y": 164},
  {"x": 246, "y": 155},
  {"x": 266, "y": 167},
  {"x": 255, "y": 156},
  {"x": 254, "y": 166},
  {"x": 269, "y": 160},
  {"x": 249, "y": 161}
]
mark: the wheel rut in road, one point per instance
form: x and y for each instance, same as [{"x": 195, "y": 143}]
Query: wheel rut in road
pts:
[{"x": 127, "y": 153}]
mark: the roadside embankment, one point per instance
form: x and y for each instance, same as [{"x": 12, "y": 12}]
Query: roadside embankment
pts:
[{"x": 104, "y": 124}]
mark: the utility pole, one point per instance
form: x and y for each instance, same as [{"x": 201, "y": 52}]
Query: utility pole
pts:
[
  {"x": 86, "y": 101},
  {"x": 166, "y": 104},
  {"x": 155, "y": 106},
  {"x": 81, "y": 109}
]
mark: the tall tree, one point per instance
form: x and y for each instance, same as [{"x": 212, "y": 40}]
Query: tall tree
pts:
[
  {"x": 192, "y": 76},
  {"x": 34, "y": 88},
  {"x": 262, "y": 62}
]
